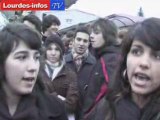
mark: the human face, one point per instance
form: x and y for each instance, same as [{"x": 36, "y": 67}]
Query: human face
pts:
[
  {"x": 53, "y": 54},
  {"x": 70, "y": 44},
  {"x": 143, "y": 65},
  {"x": 52, "y": 29},
  {"x": 81, "y": 42},
  {"x": 21, "y": 70},
  {"x": 96, "y": 37}
]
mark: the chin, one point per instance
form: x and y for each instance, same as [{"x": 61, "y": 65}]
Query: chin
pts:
[
  {"x": 140, "y": 91},
  {"x": 26, "y": 91}
]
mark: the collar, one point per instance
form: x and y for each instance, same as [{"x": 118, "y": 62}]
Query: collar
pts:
[{"x": 90, "y": 59}]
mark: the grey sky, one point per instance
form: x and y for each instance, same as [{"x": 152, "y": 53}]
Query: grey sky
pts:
[{"x": 103, "y": 8}]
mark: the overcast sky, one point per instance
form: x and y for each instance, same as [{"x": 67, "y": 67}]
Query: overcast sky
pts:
[{"x": 102, "y": 8}]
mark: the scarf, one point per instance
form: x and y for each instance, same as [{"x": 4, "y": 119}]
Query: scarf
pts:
[
  {"x": 52, "y": 70},
  {"x": 79, "y": 58}
]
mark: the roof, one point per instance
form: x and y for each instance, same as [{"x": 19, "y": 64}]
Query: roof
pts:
[{"x": 122, "y": 20}]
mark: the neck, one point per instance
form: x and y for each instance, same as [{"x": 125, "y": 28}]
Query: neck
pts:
[
  {"x": 11, "y": 99},
  {"x": 140, "y": 100},
  {"x": 53, "y": 64}
]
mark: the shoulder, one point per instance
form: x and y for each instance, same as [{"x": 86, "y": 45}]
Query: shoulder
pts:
[
  {"x": 91, "y": 59},
  {"x": 68, "y": 69},
  {"x": 68, "y": 57},
  {"x": 50, "y": 102},
  {"x": 69, "y": 72},
  {"x": 50, "y": 106},
  {"x": 101, "y": 111},
  {"x": 157, "y": 117},
  {"x": 56, "y": 102},
  {"x": 111, "y": 57}
]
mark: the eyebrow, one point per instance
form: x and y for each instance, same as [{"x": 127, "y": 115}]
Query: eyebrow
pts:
[
  {"x": 82, "y": 39},
  {"x": 25, "y": 52},
  {"x": 79, "y": 38},
  {"x": 37, "y": 53},
  {"x": 21, "y": 52},
  {"x": 135, "y": 45}
]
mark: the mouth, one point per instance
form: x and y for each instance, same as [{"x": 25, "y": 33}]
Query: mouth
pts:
[
  {"x": 142, "y": 76},
  {"x": 53, "y": 58},
  {"x": 29, "y": 79},
  {"x": 80, "y": 48},
  {"x": 92, "y": 41}
]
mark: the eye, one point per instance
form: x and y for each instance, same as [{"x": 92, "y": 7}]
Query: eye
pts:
[
  {"x": 56, "y": 49},
  {"x": 97, "y": 31},
  {"x": 37, "y": 57},
  {"x": 49, "y": 48},
  {"x": 156, "y": 56},
  {"x": 21, "y": 57},
  {"x": 136, "y": 51},
  {"x": 78, "y": 39},
  {"x": 85, "y": 41}
]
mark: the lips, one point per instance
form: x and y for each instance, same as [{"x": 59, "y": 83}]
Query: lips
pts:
[
  {"x": 53, "y": 58},
  {"x": 80, "y": 48},
  {"x": 142, "y": 76},
  {"x": 29, "y": 79},
  {"x": 92, "y": 41}
]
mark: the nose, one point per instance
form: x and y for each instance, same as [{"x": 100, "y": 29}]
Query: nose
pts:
[
  {"x": 53, "y": 52},
  {"x": 81, "y": 43},
  {"x": 57, "y": 27},
  {"x": 33, "y": 65},
  {"x": 91, "y": 35},
  {"x": 145, "y": 62}
]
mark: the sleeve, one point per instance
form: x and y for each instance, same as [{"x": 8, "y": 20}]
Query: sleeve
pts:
[
  {"x": 60, "y": 108},
  {"x": 72, "y": 93}
]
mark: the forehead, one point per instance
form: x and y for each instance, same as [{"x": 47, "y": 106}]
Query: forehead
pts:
[
  {"x": 96, "y": 27},
  {"x": 52, "y": 45},
  {"x": 82, "y": 35},
  {"x": 21, "y": 47},
  {"x": 139, "y": 44}
]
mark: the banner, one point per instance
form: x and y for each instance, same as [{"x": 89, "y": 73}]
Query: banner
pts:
[{"x": 32, "y": 4}]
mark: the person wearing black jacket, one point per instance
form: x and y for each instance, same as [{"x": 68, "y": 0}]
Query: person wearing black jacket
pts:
[
  {"x": 135, "y": 90},
  {"x": 104, "y": 40},
  {"x": 21, "y": 90}
]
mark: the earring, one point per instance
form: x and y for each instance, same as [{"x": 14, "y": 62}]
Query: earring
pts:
[{"x": 125, "y": 74}]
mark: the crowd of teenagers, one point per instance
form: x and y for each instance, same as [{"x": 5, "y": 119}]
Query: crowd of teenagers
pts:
[{"x": 96, "y": 72}]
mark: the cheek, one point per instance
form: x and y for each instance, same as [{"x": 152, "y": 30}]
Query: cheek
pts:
[
  {"x": 48, "y": 53},
  {"x": 101, "y": 41},
  {"x": 14, "y": 72},
  {"x": 38, "y": 66},
  {"x": 130, "y": 66},
  {"x": 58, "y": 54},
  {"x": 76, "y": 43},
  {"x": 155, "y": 71},
  {"x": 87, "y": 45}
]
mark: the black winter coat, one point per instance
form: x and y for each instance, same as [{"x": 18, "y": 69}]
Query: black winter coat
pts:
[
  {"x": 111, "y": 55},
  {"x": 126, "y": 109},
  {"x": 36, "y": 106},
  {"x": 83, "y": 75}
]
